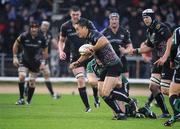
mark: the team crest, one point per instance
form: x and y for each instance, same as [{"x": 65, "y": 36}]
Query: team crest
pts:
[{"x": 158, "y": 26}]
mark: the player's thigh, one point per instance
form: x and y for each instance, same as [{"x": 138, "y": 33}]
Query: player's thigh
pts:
[
  {"x": 174, "y": 88},
  {"x": 109, "y": 84}
]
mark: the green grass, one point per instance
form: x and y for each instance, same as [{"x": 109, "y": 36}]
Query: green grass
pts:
[{"x": 67, "y": 113}]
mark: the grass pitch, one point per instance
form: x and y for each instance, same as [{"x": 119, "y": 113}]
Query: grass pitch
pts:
[{"x": 68, "y": 113}]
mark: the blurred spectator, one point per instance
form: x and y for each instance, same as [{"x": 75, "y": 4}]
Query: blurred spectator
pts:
[{"x": 15, "y": 15}]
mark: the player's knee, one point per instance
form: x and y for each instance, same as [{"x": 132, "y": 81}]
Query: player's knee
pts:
[
  {"x": 22, "y": 78},
  {"x": 165, "y": 91},
  {"x": 93, "y": 83},
  {"x": 165, "y": 87},
  {"x": 105, "y": 93},
  {"x": 46, "y": 77},
  {"x": 154, "y": 88},
  {"x": 81, "y": 80},
  {"x": 32, "y": 83}
]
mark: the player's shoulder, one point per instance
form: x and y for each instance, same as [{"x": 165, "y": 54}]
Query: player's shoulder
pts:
[
  {"x": 177, "y": 30},
  {"x": 83, "y": 18},
  {"x": 105, "y": 30},
  {"x": 66, "y": 24},
  {"x": 161, "y": 26},
  {"x": 24, "y": 34},
  {"x": 123, "y": 30}
]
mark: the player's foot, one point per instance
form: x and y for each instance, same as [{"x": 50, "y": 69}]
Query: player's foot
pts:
[
  {"x": 88, "y": 109},
  {"x": 27, "y": 103},
  {"x": 147, "y": 112},
  {"x": 20, "y": 102},
  {"x": 170, "y": 121},
  {"x": 121, "y": 116},
  {"x": 133, "y": 105},
  {"x": 165, "y": 115},
  {"x": 97, "y": 103},
  {"x": 56, "y": 96},
  {"x": 139, "y": 115}
]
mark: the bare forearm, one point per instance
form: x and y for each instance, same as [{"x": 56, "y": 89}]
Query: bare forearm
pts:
[
  {"x": 61, "y": 43},
  {"x": 83, "y": 58},
  {"x": 168, "y": 47},
  {"x": 45, "y": 53},
  {"x": 15, "y": 48}
]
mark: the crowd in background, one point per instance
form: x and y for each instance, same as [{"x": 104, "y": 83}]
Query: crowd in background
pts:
[{"x": 15, "y": 15}]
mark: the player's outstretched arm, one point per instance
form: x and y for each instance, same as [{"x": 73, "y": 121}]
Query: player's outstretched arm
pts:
[{"x": 15, "y": 51}]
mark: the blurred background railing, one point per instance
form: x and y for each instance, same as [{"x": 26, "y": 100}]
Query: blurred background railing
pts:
[{"x": 137, "y": 67}]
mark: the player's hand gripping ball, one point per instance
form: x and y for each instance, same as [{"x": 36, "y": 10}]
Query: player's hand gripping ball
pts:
[{"x": 86, "y": 49}]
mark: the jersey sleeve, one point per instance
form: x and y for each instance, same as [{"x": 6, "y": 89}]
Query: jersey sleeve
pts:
[
  {"x": 44, "y": 43},
  {"x": 95, "y": 37},
  {"x": 165, "y": 32},
  {"x": 91, "y": 25},
  {"x": 175, "y": 43},
  {"x": 127, "y": 38},
  {"x": 63, "y": 31},
  {"x": 21, "y": 38}
]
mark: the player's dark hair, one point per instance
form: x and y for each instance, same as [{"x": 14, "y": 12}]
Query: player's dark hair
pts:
[
  {"x": 83, "y": 23},
  {"x": 34, "y": 24},
  {"x": 75, "y": 8}
]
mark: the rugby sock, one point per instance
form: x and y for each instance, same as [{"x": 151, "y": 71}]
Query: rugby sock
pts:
[
  {"x": 121, "y": 96},
  {"x": 172, "y": 100},
  {"x": 84, "y": 97},
  {"x": 21, "y": 90},
  {"x": 150, "y": 99},
  {"x": 95, "y": 94},
  {"x": 160, "y": 101},
  {"x": 26, "y": 88},
  {"x": 113, "y": 104},
  {"x": 30, "y": 94},
  {"x": 49, "y": 86}
]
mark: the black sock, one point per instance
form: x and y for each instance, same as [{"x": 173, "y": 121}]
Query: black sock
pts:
[
  {"x": 49, "y": 86},
  {"x": 172, "y": 100},
  {"x": 121, "y": 96},
  {"x": 21, "y": 90},
  {"x": 150, "y": 99},
  {"x": 30, "y": 94},
  {"x": 113, "y": 104},
  {"x": 84, "y": 97},
  {"x": 95, "y": 94},
  {"x": 160, "y": 101}
]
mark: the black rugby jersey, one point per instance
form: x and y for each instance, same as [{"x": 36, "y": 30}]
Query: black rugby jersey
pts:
[
  {"x": 48, "y": 37},
  {"x": 175, "y": 49},
  {"x": 121, "y": 37},
  {"x": 32, "y": 48},
  {"x": 157, "y": 36},
  {"x": 67, "y": 30},
  {"x": 106, "y": 55}
]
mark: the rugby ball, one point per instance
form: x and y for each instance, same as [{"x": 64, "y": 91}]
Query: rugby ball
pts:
[{"x": 84, "y": 47}]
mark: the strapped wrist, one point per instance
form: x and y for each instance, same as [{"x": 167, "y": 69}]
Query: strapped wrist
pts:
[
  {"x": 15, "y": 55},
  {"x": 43, "y": 62}
]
